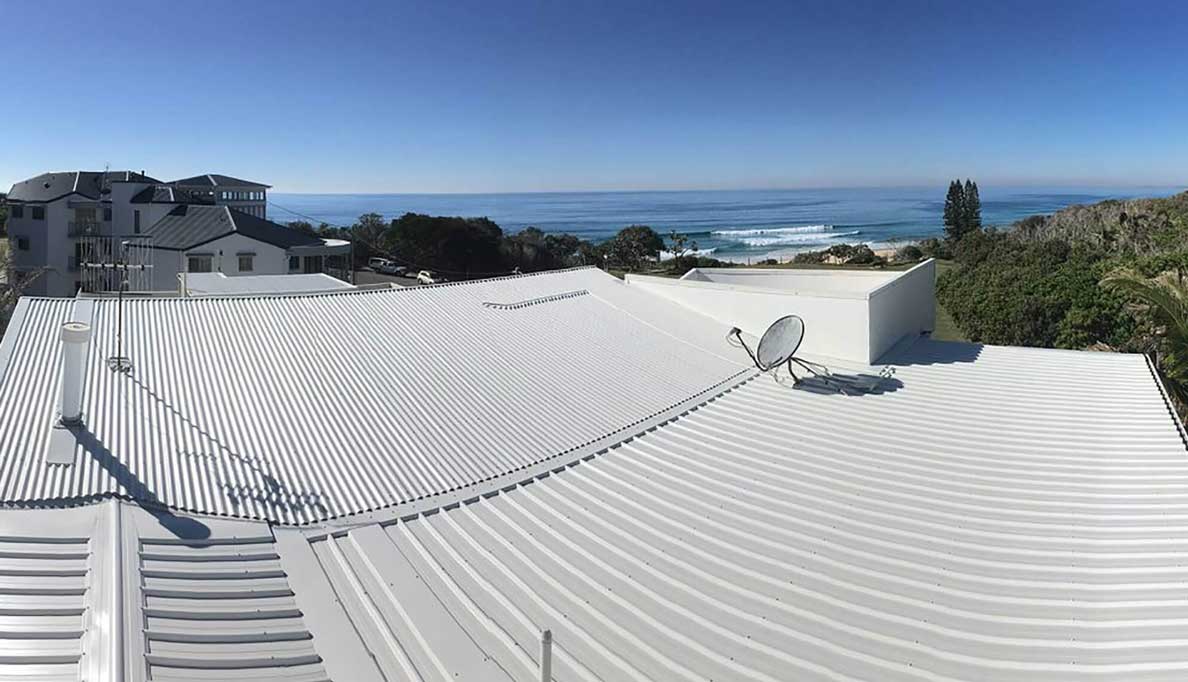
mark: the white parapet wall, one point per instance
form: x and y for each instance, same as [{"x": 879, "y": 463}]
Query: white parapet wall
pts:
[{"x": 849, "y": 314}]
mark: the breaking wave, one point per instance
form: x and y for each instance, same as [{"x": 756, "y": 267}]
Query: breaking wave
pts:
[
  {"x": 667, "y": 255},
  {"x": 774, "y": 231},
  {"x": 797, "y": 238}
]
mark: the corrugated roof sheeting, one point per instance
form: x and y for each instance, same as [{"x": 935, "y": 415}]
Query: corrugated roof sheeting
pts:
[
  {"x": 1002, "y": 514},
  {"x": 43, "y": 587},
  {"x": 303, "y": 408},
  {"x": 222, "y": 607},
  {"x": 114, "y": 593}
]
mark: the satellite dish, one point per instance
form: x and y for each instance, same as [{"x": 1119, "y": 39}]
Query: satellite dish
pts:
[
  {"x": 778, "y": 346},
  {"x": 779, "y": 343}
]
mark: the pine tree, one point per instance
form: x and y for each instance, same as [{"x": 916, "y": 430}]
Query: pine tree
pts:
[
  {"x": 972, "y": 208},
  {"x": 955, "y": 212}
]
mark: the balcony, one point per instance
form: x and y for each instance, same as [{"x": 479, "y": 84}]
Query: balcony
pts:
[{"x": 84, "y": 229}]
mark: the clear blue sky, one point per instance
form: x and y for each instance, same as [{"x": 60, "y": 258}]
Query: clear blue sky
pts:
[{"x": 440, "y": 96}]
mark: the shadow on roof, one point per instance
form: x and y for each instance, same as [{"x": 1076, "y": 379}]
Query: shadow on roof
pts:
[
  {"x": 183, "y": 528},
  {"x": 273, "y": 492},
  {"x": 933, "y": 352},
  {"x": 850, "y": 384}
]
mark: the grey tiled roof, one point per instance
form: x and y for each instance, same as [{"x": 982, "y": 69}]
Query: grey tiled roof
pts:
[
  {"x": 91, "y": 184},
  {"x": 168, "y": 194},
  {"x": 216, "y": 180},
  {"x": 189, "y": 226}
]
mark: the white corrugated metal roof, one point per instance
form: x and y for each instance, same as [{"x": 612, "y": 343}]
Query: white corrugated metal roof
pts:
[
  {"x": 1001, "y": 514},
  {"x": 217, "y": 283},
  {"x": 992, "y": 514},
  {"x": 301, "y": 408}
]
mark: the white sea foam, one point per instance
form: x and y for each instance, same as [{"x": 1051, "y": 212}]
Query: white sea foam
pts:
[
  {"x": 798, "y": 238},
  {"x": 770, "y": 231},
  {"x": 668, "y": 255}
]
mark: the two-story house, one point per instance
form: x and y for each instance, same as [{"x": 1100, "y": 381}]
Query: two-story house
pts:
[{"x": 75, "y": 227}]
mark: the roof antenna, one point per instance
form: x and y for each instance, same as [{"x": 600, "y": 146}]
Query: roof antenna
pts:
[{"x": 120, "y": 362}]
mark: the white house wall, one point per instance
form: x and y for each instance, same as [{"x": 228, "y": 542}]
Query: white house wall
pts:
[
  {"x": 49, "y": 247},
  {"x": 904, "y": 306},
  {"x": 269, "y": 260},
  {"x": 836, "y": 326}
]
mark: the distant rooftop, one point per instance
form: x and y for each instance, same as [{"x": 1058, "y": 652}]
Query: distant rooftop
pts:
[
  {"x": 90, "y": 184},
  {"x": 216, "y": 180},
  {"x": 188, "y": 226},
  {"x": 219, "y": 284},
  {"x": 168, "y": 194}
]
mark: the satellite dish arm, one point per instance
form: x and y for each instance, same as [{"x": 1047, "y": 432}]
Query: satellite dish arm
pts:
[{"x": 736, "y": 333}]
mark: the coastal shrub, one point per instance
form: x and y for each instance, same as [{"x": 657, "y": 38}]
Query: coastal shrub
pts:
[
  {"x": 863, "y": 255},
  {"x": 909, "y": 253},
  {"x": 633, "y": 246},
  {"x": 935, "y": 248},
  {"x": 1033, "y": 294},
  {"x": 809, "y": 257},
  {"x": 842, "y": 252}
]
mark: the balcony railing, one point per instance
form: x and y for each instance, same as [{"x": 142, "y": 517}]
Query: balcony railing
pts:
[{"x": 84, "y": 229}]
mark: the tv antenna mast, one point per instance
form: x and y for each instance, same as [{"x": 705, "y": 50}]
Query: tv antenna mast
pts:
[{"x": 120, "y": 362}]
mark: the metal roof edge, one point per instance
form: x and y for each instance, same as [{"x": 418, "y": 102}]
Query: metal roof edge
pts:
[
  {"x": 8, "y": 342},
  {"x": 899, "y": 278},
  {"x": 1179, "y": 424},
  {"x": 742, "y": 288}
]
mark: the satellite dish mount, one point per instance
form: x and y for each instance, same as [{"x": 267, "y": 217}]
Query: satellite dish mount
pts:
[{"x": 778, "y": 346}]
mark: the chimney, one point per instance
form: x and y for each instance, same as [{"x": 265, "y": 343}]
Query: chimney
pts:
[{"x": 75, "y": 336}]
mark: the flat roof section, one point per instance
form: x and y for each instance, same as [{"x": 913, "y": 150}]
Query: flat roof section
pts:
[{"x": 219, "y": 284}]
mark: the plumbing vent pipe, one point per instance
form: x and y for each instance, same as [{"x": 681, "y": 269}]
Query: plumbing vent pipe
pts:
[
  {"x": 546, "y": 656},
  {"x": 75, "y": 336}
]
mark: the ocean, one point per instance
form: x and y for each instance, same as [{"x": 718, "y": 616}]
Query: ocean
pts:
[{"x": 738, "y": 225}]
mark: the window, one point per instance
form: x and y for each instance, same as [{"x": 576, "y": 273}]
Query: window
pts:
[
  {"x": 136, "y": 222},
  {"x": 107, "y": 214},
  {"x": 17, "y": 211},
  {"x": 200, "y": 263},
  {"x": 246, "y": 263},
  {"x": 294, "y": 263},
  {"x": 39, "y": 213},
  {"x": 22, "y": 243}
]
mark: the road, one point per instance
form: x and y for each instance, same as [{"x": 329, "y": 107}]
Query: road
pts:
[{"x": 363, "y": 277}]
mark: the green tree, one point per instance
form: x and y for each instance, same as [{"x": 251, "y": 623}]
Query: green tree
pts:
[
  {"x": 971, "y": 207},
  {"x": 454, "y": 246},
  {"x": 963, "y": 210},
  {"x": 954, "y": 212},
  {"x": 633, "y": 246},
  {"x": 1164, "y": 299}
]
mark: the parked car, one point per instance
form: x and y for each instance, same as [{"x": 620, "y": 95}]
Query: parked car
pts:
[
  {"x": 426, "y": 277},
  {"x": 377, "y": 264},
  {"x": 391, "y": 268}
]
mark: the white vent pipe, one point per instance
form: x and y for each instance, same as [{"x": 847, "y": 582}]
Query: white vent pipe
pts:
[
  {"x": 75, "y": 336},
  {"x": 546, "y": 656}
]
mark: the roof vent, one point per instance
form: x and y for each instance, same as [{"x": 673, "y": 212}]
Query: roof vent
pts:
[{"x": 75, "y": 336}]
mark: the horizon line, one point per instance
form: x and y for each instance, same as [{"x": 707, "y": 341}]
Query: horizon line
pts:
[{"x": 1069, "y": 185}]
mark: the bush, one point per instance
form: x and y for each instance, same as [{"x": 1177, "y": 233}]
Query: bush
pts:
[
  {"x": 809, "y": 257},
  {"x": 935, "y": 248},
  {"x": 1033, "y": 294},
  {"x": 842, "y": 252},
  {"x": 863, "y": 255},
  {"x": 909, "y": 253},
  {"x": 633, "y": 246}
]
